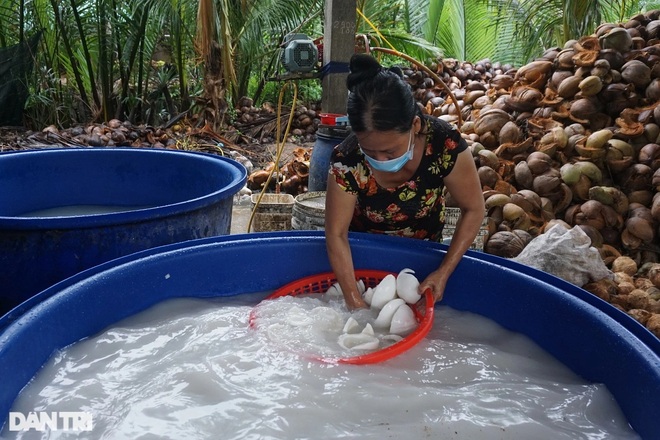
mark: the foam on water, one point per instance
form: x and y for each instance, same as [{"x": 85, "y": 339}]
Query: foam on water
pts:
[
  {"x": 191, "y": 368},
  {"x": 311, "y": 325}
]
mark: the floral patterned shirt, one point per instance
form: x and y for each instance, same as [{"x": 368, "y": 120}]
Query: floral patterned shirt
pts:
[{"x": 416, "y": 207}]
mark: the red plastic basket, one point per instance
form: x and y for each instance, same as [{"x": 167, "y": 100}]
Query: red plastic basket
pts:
[{"x": 320, "y": 283}]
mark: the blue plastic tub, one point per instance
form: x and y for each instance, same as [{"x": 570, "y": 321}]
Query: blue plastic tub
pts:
[
  {"x": 162, "y": 197},
  {"x": 594, "y": 339},
  {"x": 327, "y": 138}
]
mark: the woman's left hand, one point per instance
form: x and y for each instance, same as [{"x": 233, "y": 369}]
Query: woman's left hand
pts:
[
  {"x": 464, "y": 185},
  {"x": 436, "y": 282}
]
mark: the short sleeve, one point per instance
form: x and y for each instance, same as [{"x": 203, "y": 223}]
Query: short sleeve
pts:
[
  {"x": 449, "y": 141},
  {"x": 343, "y": 165}
]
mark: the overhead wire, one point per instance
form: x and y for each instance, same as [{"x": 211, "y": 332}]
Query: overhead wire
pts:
[{"x": 392, "y": 51}]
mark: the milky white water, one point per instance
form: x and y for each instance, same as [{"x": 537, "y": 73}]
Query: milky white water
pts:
[
  {"x": 194, "y": 369},
  {"x": 76, "y": 210}
]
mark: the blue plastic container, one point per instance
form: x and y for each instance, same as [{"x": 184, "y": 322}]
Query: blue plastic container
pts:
[
  {"x": 591, "y": 337},
  {"x": 327, "y": 138},
  {"x": 163, "y": 197}
]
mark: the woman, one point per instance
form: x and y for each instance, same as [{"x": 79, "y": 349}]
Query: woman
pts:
[{"x": 388, "y": 176}]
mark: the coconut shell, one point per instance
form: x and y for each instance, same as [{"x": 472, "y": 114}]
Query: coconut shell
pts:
[
  {"x": 544, "y": 184},
  {"x": 591, "y": 85},
  {"x": 638, "y": 299},
  {"x": 643, "y": 284},
  {"x": 507, "y": 244},
  {"x": 624, "y": 264},
  {"x": 637, "y": 73},
  {"x": 640, "y": 228},
  {"x": 488, "y": 177},
  {"x": 641, "y": 315},
  {"x": 523, "y": 175},
  {"x": 539, "y": 162},
  {"x": 649, "y": 155},
  {"x": 616, "y": 38},
  {"x": 625, "y": 288},
  {"x": 654, "y": 275},
  {"x": 653, "y": 324},
  {"x": 604, "y": 289},
  {"x": 491, "y": 121},
  {"x": 510, "y": 133}
]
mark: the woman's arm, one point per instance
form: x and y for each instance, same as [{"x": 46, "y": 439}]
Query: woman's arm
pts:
[
  {"x": 465, "y": 188},
  {"x": 339, "y": 207}
]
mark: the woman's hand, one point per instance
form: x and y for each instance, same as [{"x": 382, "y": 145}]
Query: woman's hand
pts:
[
  {"x": 355, "y": 301},
  {"x": 464, "y": 185},
  {"x": 436, "y": 282},
  {"x": 339, "y": 207}
]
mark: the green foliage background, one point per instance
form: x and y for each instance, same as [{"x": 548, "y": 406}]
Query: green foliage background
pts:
[{"x": 137, "y": 59}]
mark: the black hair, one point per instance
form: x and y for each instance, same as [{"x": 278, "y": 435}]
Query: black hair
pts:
[{"x": 379, "y": 98}]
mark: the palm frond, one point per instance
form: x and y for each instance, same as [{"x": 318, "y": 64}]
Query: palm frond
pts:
[
  {"x": 8, "y": 29},
  {"x": 431, "y": 24},
  {"x": 415, "y": 47}
]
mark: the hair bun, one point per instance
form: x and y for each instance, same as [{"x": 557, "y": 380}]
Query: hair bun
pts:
[
  {"x": 363, "y": 67},
  {"x": 396, "y": 70}
]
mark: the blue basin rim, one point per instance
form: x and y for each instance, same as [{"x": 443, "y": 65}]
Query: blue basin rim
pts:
[
  {"x": 233, "y": 173},
  {"x": 164, "y": 196},
  {"x": 594, "y": 339}
]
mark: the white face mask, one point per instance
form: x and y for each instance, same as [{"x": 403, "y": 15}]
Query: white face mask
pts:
[{"x": 392, "y": 165}]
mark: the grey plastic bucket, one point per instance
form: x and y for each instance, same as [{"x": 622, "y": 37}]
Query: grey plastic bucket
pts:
[
  {"x": 309, "y": 211},
  {"x": 158, "y": 197}
]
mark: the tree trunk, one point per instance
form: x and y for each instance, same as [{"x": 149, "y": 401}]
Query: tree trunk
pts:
[
  {"x": 215, "y": 90},
  {"x": 214, "y": 98}
]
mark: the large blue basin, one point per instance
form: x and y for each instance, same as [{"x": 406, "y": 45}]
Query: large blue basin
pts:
[
  {"x": 594, "y": 339},
  {"x": 162, "y": 197}
]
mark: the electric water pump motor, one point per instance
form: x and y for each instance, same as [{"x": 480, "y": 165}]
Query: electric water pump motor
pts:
[{"x": 300, "y": 54}]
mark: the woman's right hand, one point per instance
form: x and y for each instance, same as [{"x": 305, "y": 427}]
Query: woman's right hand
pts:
[
  {"x": 355, "y": 301},
  {"x": 339, "y": 207}
]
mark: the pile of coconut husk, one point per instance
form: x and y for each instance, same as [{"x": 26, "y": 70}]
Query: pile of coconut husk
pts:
[
  {"x": 261, "y": 123},
  {"x": 572, "y": 137},
  {"x": 252, "y": 138}
]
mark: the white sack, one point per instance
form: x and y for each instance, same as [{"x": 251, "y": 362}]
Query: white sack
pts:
[{"x": 567, "y": 254}]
